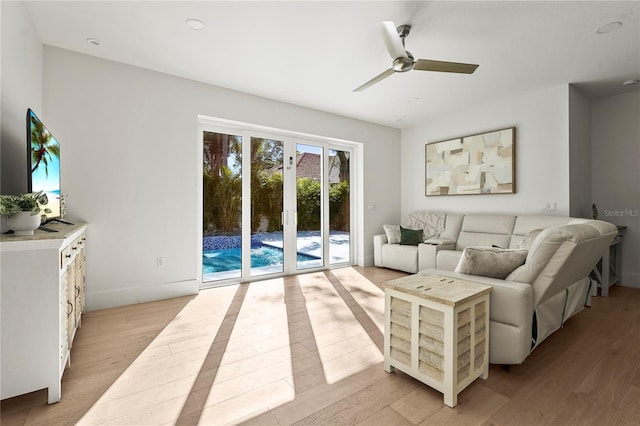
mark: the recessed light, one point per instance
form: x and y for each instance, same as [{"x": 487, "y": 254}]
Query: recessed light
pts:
[
  {"x": 414, "y": 99},
  {"x": 94, "y": 41},
  {"x": 630, "y": 83},
  {"x": 195, "y": 24},
  {"x": 609, "y": 28}
]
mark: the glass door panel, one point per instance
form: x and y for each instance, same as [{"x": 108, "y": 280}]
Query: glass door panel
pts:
[
  {"x": 222, "y": 206},
  {"x": 309, "y": 178},
  {"x": 339, "y": 206},
  {"x": 267, "y": 192}
]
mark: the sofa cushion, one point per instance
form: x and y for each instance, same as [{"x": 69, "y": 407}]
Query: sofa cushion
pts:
[
  {"x": 448, "y": 259},
  {"x": 411, "y": 237},
  {"x": 527, "y": 241},
  {"x": 431, "y": 223},
  {"x": 485, "y": 230},
  {"x": 527, "y": 223},
  {"x": 544, "y": 247},
  {"x": 399, "y": 257},
  {"x": 452, "y": 225},
  {"x": 490, "y": 261},
  {"x": 393, "y": 233}
]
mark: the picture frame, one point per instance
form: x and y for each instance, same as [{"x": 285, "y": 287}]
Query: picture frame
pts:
[{"x": 479, "y": 164}]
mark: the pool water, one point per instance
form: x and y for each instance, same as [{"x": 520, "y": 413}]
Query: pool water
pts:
[{"x": 222, "y": 260}]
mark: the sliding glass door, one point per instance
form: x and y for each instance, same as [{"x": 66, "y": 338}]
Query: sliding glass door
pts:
[
  {"x": 267, "y": 190},
  {"x": 221, "y": 206},
  {"x": 339, "y": 206},
  {"x": 282, "y": 207},
  {"x": 309, "y": 201}
]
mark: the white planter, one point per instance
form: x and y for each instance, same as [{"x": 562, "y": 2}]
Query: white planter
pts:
[{"x": 23, "y": 223}]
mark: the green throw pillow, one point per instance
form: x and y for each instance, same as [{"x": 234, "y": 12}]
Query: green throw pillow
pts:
[{"x": 410, "y": 237}]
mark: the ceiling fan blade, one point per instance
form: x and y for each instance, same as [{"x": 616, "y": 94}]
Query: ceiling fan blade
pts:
[
  {"x": 392, "y": 40},
  {"x": 374, "y": 80},
  {"x": 442, "y": 66}
]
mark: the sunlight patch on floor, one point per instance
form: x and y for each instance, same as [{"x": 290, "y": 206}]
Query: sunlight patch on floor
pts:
[
  {"x": 169, "y": 365},
  {"x": 235, "y": 352},
  {"x": 343, "y": 345}
]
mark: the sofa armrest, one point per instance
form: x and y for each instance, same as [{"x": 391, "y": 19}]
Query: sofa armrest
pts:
[
  {"x": 439, "y": 241},
  {"x": 511, "y": 317},
  {"x": 427, "y": 252},
  {"x": 378, "y": 242},
  {"x": 511, "y": 302}
]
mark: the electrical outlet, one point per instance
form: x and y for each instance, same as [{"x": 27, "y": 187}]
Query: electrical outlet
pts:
[
  {"x": 549, "y": 206},
  {"x": 160, "y": 262}
]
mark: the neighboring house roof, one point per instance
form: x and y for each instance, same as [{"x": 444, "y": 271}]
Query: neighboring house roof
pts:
[{"x": 308, "y": 165}]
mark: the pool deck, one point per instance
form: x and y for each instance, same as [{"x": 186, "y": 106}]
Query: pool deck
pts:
[{"x": 309, "y": 243}]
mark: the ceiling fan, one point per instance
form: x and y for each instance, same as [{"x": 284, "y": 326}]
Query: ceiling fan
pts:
[{"x": 403, "y": 60}]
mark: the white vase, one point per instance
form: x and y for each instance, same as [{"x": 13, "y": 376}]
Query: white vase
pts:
[{"x": 23, "y": 223}]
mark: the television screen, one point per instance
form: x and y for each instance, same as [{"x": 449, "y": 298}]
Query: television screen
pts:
[{"x": 44, "y": 163}]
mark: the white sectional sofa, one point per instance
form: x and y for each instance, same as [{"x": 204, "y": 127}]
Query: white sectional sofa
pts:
[{"x": 530, "y": 302}]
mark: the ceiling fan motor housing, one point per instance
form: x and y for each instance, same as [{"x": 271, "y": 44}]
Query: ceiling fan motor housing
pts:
[{"x": 403, "y": 64}]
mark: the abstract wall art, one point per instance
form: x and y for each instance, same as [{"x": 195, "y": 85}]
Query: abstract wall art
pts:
[{"x": 478, "y": 164}]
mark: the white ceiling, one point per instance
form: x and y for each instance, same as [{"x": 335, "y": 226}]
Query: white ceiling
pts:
[{"x": 315, "y": 53}]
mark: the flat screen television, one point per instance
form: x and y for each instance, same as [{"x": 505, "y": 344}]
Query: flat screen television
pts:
[{"x": 44, "y": 163}]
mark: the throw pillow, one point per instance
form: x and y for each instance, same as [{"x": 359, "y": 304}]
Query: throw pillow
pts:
[
  {"x": 490, "y": 262},
  {"x": 410, "y": 237},
  {"x": 528, "y": 239},
  {"x": 393, "y": 233}
]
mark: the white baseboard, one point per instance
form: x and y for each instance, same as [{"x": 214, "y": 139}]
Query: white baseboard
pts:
[
  {"x": 630, "y": 279},
  {"x": 131, "y": 295}
]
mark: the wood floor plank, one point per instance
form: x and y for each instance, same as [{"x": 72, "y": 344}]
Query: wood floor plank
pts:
[
  {"x": 385, "y": 417},
  {"x": 306, "y": 349},
  {"x": 250, "y": 404},
  {"x": 359, "y": 405},
  {"x": 322, "y": 396},
  {"x": 541, "y": 398},
  {"x": 609, "y": 380},
  {"x": 578, "y": 410},
  {"x": 628, "y": 413},
  {"x": 264, "y": 419},
  {"x": 419, "y": 404},
  {"x": 74, "y": 408},
  {"x": 475, "y": 405}
]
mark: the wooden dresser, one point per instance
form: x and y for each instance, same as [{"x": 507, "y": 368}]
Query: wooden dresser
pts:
[{"x": 43, "y": 293}]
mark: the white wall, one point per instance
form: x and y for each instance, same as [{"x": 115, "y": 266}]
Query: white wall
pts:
[
  {"x": 129, "y": 141},
  {"x": 21, "y": 89},
  {"x": 542, "y": 154},
  {"x": 579, "y": 154},
  {"x": 615, "y": 171}
]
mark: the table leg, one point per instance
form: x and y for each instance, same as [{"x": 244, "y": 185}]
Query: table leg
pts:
[
  {"x": 450, "y": 398},
  {"x": 605, "y": 273}
]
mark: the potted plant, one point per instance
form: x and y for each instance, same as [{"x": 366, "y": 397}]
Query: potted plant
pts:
[{"x": 24, "y": 212}]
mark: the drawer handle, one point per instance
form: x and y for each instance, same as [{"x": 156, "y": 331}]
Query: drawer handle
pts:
[
  {"x": 68, "y": 256},
  {"x": 69, "y": 312},
  {"x": 74, "y": 248},
  {"x": 77, "y": 292}
]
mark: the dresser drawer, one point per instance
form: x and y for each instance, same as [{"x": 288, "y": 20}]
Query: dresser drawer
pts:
[{"x": 65, "y": 257}]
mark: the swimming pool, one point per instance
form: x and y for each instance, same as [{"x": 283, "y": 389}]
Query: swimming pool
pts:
[{"x": 229, "y": 259}]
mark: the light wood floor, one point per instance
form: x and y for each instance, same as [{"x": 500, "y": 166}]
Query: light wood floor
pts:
[{"x": 308, "y": 350}]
